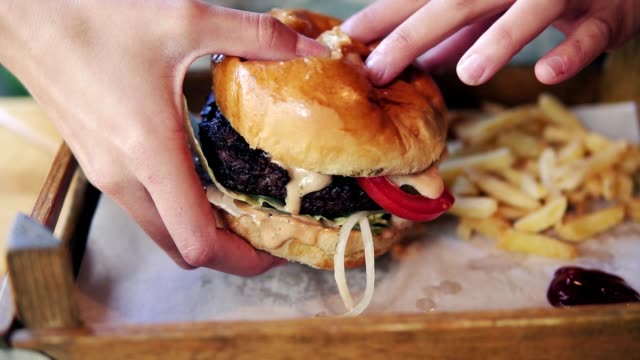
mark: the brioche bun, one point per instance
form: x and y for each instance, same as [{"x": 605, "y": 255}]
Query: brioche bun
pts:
[{"x": 324, "y": 115}]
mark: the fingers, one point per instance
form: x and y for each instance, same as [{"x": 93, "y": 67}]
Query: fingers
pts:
[
  {"x": 443, "y": 57},
  {"x": 181, "y": 202},
  {"x": 525, "y": 20},
  {"x": 379, "y": 19},
  {"x": 139, "y": 205},
  {"x": 431, "y": 24},
  {"x": 251, "y": 35},
  {"x": 579, "y": 49}
]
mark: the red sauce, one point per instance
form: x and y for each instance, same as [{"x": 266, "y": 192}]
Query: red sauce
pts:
[{"x": 577, "y": 286}]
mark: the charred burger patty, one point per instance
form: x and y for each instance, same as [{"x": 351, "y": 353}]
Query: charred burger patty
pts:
[{"x": 238, "y": 167}]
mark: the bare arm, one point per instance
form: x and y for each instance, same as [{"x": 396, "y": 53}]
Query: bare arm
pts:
[{"x": 109, "y": 74}]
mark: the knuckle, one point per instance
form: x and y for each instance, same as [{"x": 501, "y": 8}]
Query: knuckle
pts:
[
  {"x": 504, "y": 37},
  {"x": 404, "y": 40},
  {"x": 111, "y": 185},
  {"x": 577, "y": 51},
  {"x": 600, "y": 32},
  {"x": 463, "y": 3},
  {"x": 267, "y": 32},
  {"x": 464, "y": 7}
]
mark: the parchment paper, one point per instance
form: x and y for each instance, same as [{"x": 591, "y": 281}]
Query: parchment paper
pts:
[{"x": 125, "y": 278}]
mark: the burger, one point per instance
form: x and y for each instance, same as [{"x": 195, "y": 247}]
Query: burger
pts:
[{"x": 311, "y": 162}]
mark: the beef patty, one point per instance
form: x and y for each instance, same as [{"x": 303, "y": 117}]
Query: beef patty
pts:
[{"x": 240, "y": 168}]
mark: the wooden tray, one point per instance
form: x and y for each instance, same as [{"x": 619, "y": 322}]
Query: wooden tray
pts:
[{"x": 43, "y": 269}]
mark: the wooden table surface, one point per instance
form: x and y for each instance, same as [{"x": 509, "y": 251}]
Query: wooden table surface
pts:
[{"x": 29, "y": 142}]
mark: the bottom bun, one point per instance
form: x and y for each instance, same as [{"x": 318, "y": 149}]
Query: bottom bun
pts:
[{"x": 299, "y": 239}]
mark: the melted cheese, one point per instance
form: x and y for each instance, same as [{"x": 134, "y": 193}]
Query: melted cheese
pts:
[
  {"x": 428, "y": 182},
  {"x": 301, "y": 183}
]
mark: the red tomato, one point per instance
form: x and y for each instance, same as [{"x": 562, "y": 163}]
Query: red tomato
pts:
[{"x": 399, "y": 203}]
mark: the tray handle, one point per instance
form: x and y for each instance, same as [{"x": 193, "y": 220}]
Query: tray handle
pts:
[{"x": 40, "y": 266}]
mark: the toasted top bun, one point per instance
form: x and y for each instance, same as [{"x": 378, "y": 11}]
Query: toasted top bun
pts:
[{"x": 324, "y": 115}]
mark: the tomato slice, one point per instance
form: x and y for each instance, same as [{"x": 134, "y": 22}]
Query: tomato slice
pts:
[{"x": 399, "y": 203}]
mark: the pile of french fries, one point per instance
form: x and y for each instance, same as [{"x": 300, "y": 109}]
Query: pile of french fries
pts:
[{"x": 534, "y": 179}]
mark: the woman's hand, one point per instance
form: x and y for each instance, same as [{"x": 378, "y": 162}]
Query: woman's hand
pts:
[
  {"x": 110, "y": 73},
  {"x": 485, "y": 34}
]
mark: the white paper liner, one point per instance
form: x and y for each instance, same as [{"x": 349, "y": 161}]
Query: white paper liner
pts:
[{"x": 125, "y": 278}]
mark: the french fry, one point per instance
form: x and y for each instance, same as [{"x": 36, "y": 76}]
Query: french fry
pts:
[
  {"x": 480, "y": 207},
  {"x": 607, "y": 157},
  {"x": 513, "y": 176},
  {"x": 608, "y": 182},
  {"x": 546, "y": 168},
  {"x": 510, "y": 212},
  {"x": 502, "y": 191},
  {"x": 623, "y": 187},
  {"x": 521, "y": 144},
  {"x": 558, "y": 114},
  {"x": 462, "y": 186},
  {"x": 570, "y": 176},
  {"x": 464, "y": 231},
  {"x": 490, "y": 227},
  {"x": 595, "y": 142},
  {"x": 531, "y": 168},
  {"x": 632, "y": 208},
  {"x": 583, "y": 227},
  {"x": 531, "y": 177},
  {"x": 593, "y": 186},
  {"x": 543, "y": 218},
  {"x": 482, "y": 131},
  {"x": 570, "y": 152},
  {"x": 459, "y": 150},
  {"x": 557, "y": 135},
  {"x": 533, "y": 188},
  {"x": 536, "y": 244},
  {"x": 500, "y": 158},
  {"x": 631, "y": 160}
]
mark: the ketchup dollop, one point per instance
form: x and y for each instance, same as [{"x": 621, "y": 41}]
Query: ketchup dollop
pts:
[{"x": 577, "y": 286}]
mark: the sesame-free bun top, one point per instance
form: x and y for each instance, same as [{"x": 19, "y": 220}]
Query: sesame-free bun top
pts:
[{"x": 324, "y": 115}]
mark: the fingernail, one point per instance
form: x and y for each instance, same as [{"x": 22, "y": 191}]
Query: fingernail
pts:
[
  {"x": 472, "y": 69},
  {"x": 310, "y": 47},
  {"x": 552, "y": 68},
  {"x": 375, "y": 75},
  {"x": 346, "y": 26}
]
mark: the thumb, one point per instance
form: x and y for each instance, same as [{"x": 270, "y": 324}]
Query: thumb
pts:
[{"x": 251, "y": 35}]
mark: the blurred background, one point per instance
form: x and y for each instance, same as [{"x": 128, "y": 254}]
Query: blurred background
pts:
[{"x": 30, "y": 141}]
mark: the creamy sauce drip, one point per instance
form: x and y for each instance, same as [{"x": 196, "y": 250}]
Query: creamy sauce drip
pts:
[
  {"x": 276, "y": 228},
  {"x": 428, "y": 182},
  {"x": 301, "y": 183}
]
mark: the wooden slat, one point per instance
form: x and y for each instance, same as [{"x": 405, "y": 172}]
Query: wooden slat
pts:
[
  {"x": 578, "y": 333},
  {"x": 49, "y": 203},
  {"x": 41, "y": 276},
  {"x": 39, "y": 264}
]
